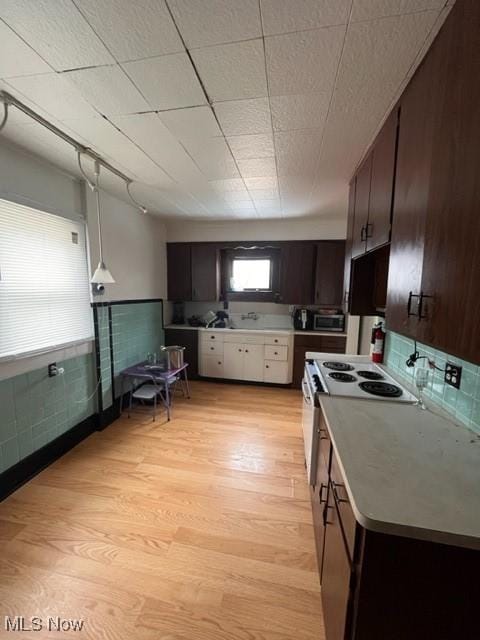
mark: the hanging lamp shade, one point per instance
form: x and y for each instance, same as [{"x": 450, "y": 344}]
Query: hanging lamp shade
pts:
[{"x": 102, "y": 275}]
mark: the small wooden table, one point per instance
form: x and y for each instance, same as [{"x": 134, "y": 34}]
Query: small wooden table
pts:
[{"x": 163, "y": 378}]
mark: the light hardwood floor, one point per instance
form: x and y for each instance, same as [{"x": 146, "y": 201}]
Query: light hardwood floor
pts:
[{"x": 196, "y": 529}]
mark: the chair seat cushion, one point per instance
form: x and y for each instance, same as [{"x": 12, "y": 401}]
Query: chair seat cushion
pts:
[{"x": 147, "y": 392}]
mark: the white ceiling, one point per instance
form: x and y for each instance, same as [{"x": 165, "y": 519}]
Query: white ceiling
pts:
[{"x": 217, "y": 108}]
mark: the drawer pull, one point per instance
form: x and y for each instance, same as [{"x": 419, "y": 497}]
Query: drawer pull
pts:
[
  {"x": 246, "y": 350},
  {"x": 320, "y": 493},
  {"x": 212, "y": 348},
  {"x": 267, "y": 366},
  {"x": 212, "y": 337},
  {"x": 275, "y": 353},
  {"x": 240, "y": 351},
  {"x": 335, "y": 494}
]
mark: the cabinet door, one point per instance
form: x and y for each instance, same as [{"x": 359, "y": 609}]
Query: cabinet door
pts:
[
  {"x": 276, "y": 372},
  {"x": 253, "y": 362},
  {"x": 329, "y": 277},
  {"x": 233, "y": 360},
  {"x": 320, "y": 492},
  {"x": 381, "y": 189},
  {"x": 336, "y": 576},
  {"x": 348, "y": 245},
  {"x": 205, "y": 272},
  {"x": 297, "y": 272},
  {"x": 412, "y": 186},
  {"x": 179, "y": 272},
  {"x": 362, "y": 203},
  {"x": 211, "y": 366},
  {"x": 451, "y": 267}
]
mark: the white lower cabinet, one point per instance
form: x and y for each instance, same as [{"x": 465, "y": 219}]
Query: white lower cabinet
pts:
[
  {"x": 233, "y": 356},
  {"x": 211, "y": 366},
  {"x": 259, "y": 357}
]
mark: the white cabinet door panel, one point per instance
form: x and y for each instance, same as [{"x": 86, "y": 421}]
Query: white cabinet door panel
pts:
[
  {"x": 233, "y": 355},
  {"x": 254, "y": 362},
  {"x": 211, "y": 366},
  {"x": 276, "y": 371}
]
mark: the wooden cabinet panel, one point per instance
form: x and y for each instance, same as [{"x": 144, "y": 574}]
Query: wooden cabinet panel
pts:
[
  {"x": 297, "y": 272},
  {"x": 336, "y": 576},
  {"x": 362, "y": 203},
  {"x": 451, "y": 266},
  {"x": 419, "y": 106},
  {"x": 381, "y": 188},
  {"x": 329, "y": 276},
  {"x": 319, "y": 493},
  {"x": 179, "y": 272},
  {"x": 205, "y": 272},
  {"x": 303, "y": 343},
  {"x": 189, "y": 339},
  {"x": 348, "y": 245}
]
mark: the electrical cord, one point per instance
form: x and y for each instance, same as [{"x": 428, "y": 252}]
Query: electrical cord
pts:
[{"x": 413, "y": 357}]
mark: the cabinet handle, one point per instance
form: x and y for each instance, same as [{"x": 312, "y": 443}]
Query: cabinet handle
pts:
[
  {"x": 335, "y": 494},
  {"x": 412, "y": 295},
  {"x": 219, "y": 363},
  {"x": 275, "y": 353},
  {"x": 275, "y": 340},
  {"x": 320, "y": 493},
  {"x": 421, "y": 315},
  {"x": 324, "y": 437},
  {"x": 267, "y": 366},
  {"x": 363, "y": 237},
  {"x": 212, "y": 337},
  {"x": 212, "y": 348},
  {"x": 240, "y": 351},
  {"x": 246, "y": 350},
  {"x": 369, "y": 230}
]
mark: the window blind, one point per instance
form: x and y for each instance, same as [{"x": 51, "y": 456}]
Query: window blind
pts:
[{"x": 44, "y": 283}]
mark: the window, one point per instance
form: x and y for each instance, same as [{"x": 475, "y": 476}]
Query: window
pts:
[
  {"x": 250, "y": 274},
  {"x": 44, "y": 284}
]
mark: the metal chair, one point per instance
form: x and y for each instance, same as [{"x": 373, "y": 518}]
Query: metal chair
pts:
[{"x": 147, "y": 392}]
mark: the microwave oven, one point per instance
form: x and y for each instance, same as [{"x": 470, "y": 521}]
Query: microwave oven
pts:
[{"x": 328, "y": 322}]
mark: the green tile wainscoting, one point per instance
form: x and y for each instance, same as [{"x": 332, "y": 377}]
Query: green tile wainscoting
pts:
[
  {"x": 36, "y": 409},
  {"x": 137, "y": 330},
  {"x": 463, "y": 403}
]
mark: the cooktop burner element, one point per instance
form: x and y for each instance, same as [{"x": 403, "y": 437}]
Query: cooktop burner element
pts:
[
  {"x": 384, "y": 389},
  {"x": 338, "y": 366},
  {"x": 339, "y": 376},
  {"x": 371, "y": 375}
]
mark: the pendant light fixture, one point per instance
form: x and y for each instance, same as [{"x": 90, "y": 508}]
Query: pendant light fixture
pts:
[{"x": 102, "y": 275}]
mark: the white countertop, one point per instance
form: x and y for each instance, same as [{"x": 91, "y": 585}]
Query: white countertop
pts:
[
  {"x": 264, "y": 330},
  {"x": 408, "y": 472}
]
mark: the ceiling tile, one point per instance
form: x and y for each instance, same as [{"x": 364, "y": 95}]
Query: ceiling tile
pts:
[
  {"x": 16, "y": 57},
  {"x": 213, "y": 157},
  {"x": 195, "y": 123},
  {"x": 258, "y": 168},
  {"x": 207, "y": 22},
  {"x": 53, "y": 94},
  {"x": 133, "y": 30},
  {"x": 284, "y": 16},
  {"x": 269, "y": 207},
  {"x": 255, "y": 146},
  {"x": 305, "y": 111},
  {"x": 229, "y": 185},
  {"x": 371, "y": 9},
  {"x": 303, "y": 62},
  {"x": 57, "y": 31},
  {"x": 263, "y": 194},
  {"x": 167, "y": 82},
  {"x": 297, "y": 151},
  {"x": 108, "y": 89},
  {"x": 232, "y": 71},
  {"x": 234, "y": 197},
  {"x": 261, "y": 183},
  {"x": 240, "y": 117}
]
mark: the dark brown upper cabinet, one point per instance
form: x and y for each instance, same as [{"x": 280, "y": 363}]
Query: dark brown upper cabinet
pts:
[
  {"x": 179, "y": 271},
  {"x": 330, "y": 264},
  {"x": 205, "y": 272},
  {"x": 297, "y": 273},
  {"x": 362, "y": 203},
  {"x": 348, "y": 245},
  {"x": 379, "y": 222}
]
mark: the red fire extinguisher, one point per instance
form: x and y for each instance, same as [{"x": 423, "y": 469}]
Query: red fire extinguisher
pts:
[{"x": 378, "y": 341}]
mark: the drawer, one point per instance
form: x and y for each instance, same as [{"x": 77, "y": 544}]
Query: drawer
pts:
[
  {"x": 211, "y": 348},
  {"x": 276, "y": 340},
  {"x": 244, "y": 337},
  {"x": 325, "y": 344},
  {"x": 347, "y": 518},
  {"x": 276, "y": 371},
  {"x": 211, "y": 336},
  {"x": 276, "y": 353}
]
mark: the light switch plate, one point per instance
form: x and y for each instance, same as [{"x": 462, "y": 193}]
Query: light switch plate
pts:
[{"x": 453, "y": 375}]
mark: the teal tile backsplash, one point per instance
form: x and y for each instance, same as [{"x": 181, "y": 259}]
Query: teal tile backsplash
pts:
[
  {"x": 463, "y": 403},
  {"x": 136, "y": 332},
  {"x": 36, "y": 409}
]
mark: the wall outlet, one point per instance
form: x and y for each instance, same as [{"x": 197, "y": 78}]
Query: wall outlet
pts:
[{"x": 453, "y": 375}]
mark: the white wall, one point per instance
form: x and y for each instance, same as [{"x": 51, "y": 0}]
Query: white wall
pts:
[
  {"x": 134, "y": 249},
  {"x": 315, "y": 228},
  {"x": 28, "y": 180}
]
